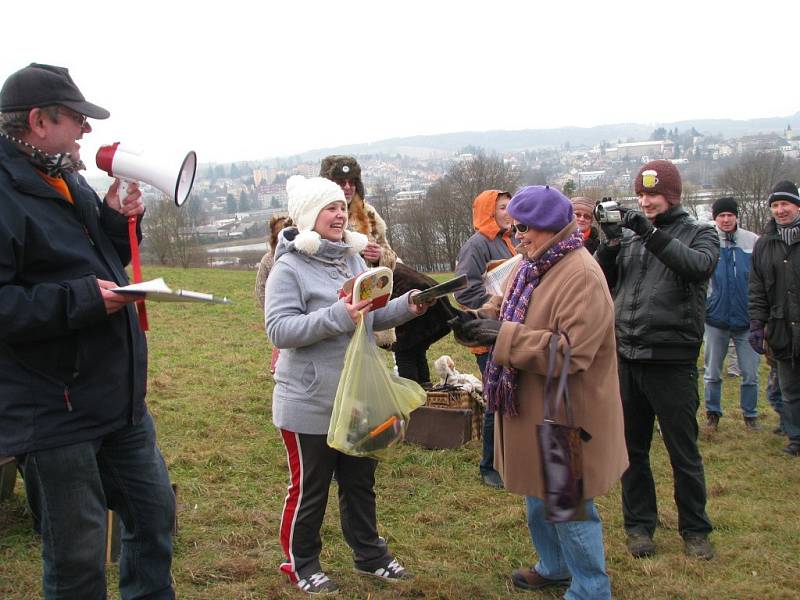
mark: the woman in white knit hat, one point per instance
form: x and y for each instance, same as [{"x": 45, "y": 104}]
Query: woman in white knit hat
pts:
[{"x": 312, "y": 326}]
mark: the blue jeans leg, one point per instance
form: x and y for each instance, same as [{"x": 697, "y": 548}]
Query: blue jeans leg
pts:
[
  {"x": 123, "y": 471},
  {"x": 573, "y": 549},
  {"x": 748, "y": 366},
  {"x": 716, "y": 347},
  {"x": 487, "y": 459}
]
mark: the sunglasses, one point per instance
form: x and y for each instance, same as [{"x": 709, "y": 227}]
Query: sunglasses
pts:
[
  {"x": 81, "y": 120},
  {"x": 519, "y": 227}
]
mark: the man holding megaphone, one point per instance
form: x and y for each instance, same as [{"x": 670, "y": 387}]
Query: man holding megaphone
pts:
[{"x": 73, "y": 359}]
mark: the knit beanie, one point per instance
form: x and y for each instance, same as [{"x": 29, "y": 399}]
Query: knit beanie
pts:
[
  {"x": 785, "y": 190},
  {"x": 659, "y": 177},
  {"x": 340, "y": 166},
  {"x": 583, "y": 202},
  {"x": 541, "y": 207},
  {"x": 723, "y": 205}
]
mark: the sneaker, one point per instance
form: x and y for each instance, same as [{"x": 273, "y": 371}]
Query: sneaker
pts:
[
  {"x": 492, "y": 479},
  {"x": 752, "y": 423},
  {"x": 712, "y": 421},
  {"x": 318, "y": 584},
  {"x": 792, "y": 449},
  {"x": 640, "y": 544},
  {"x": 391, "y": 572},
  {"x": 698, "y": 546},
  {"x": 529, "y": 579}
]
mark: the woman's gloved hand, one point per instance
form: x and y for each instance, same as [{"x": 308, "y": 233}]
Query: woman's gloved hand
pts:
[{"x": 476, "y": 332}]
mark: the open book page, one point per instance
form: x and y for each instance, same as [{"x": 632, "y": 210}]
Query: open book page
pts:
[
  {"x": 373, "y": 284},
  {"x": 158, "y": 290}
]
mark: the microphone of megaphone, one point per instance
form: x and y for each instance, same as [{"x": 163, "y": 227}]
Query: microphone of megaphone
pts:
[{"x": 121, "y": 163}]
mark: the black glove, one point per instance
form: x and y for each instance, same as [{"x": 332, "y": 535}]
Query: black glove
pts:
[
  {"x": 612, "y": 231},
  {"x": 638, "y": 223},
  {"x": 479, "y": 332},
  {"x": 756, "y": 337}
]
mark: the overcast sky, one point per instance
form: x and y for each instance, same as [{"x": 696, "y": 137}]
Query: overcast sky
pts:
[{"x": 245, "y": 80}]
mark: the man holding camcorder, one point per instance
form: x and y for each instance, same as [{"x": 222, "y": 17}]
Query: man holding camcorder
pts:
[
  {"x": 657, "y": 263},
  {"x": 73, "y": 359}
]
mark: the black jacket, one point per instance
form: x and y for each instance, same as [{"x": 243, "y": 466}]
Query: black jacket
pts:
[
  {"x": 68, "y": 371},
  {"x": 659, "y": 288},
  {"x": 428, "y": 328},
  {"x": 775, "y": 291}
]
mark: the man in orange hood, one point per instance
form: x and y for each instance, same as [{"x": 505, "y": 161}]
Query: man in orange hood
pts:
[{"x": 492, "y": 240}]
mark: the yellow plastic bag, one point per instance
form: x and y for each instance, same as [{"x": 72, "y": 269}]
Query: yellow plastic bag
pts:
[{"x": 372, "y": 405}]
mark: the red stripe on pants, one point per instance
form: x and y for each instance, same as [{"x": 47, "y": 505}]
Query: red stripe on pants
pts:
[{"x": 294, "y": 496}]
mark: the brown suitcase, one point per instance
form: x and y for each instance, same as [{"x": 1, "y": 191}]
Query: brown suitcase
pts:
[{"x": 437, "y": 428}]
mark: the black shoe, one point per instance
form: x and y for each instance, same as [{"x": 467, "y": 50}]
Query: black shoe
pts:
[
  {"x": 318, "y": 584},
  {"x": 492, "y": 479},
  {"x": 640, "y": 544},
  {"x": 712, "y": 421},
  {"x": 778, "y": 430},
  {"x": 529, "y": 579},
  {"x": 752, "y": 423},
  {"x": 391, "y": 572},
  {"x": 792, "y": 449},
  {"x": 698, "y": 546}
]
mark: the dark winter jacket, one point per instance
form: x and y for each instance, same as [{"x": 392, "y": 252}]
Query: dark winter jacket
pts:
[
  {"x": 428, "y": 328},
  {"x": 68, "y": 371},
  {"x": 659, "y": 288},
  {"x": 726, "y": 306},
  {"x": 775, "y": 292}
]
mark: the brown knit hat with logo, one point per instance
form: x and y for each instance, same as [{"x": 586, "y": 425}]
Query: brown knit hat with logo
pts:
[
  {"x": 337, "y": 167},
  {"x": 659, "y": 177}
]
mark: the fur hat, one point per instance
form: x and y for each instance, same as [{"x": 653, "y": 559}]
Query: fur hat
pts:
[
  {"x": 584, "y": 202},
  {"x": 339, "y": 166},
  {"x": 785, "y": 190},
  {"x": 660, "y": 177},
  {"x": 724, "y": 205},
  {"x": 307, "y": 197},
  {"x": 541, "y": 207}
]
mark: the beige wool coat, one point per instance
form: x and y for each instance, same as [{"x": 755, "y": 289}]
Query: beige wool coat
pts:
[{"x": 571, "y": 297}]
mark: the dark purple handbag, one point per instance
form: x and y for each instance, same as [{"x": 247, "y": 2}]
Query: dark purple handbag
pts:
[{"x": 560, "y": 445}]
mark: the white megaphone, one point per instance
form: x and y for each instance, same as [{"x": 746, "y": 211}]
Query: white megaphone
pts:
[{"x": 134, "y": 166}]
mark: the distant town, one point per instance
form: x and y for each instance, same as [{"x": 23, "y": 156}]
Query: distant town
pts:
[{"x": 231, "y": 203}]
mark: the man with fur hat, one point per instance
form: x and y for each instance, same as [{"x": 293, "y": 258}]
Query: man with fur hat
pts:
[
  {"x": 726, "y": 316},
  {"x": 775, "y": 300},
  {"x": 73, "y": 358},
  {"x": 658, "y": 269}
]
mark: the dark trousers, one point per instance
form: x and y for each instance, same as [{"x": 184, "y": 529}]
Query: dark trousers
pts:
[
  {"x": 71, "y": 487},
  {"x": 312, "y": 464},
  {"x": 789, "y": 378},
  {"x": 487, "y": 460},
  {"x": 667, "y": 392},
  {"x": 412, "y": 363}
]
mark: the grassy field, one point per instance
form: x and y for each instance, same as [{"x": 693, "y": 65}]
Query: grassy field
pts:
[{"x": 210, "y": 394}]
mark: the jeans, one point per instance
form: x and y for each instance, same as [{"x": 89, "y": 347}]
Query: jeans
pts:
[
  {"x": 74, "y": 485},
  {"x": 776, "y": 401},
  {"x": 573, "y": 549},
  {"x": 412, "y": 363},
  {"x": 487, "y": 459},
  {"x": 669, "y": 392},
  {"x": 789, "y": 378},
  {"x": 716, "y": 347}
]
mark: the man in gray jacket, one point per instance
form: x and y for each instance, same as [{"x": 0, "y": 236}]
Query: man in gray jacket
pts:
[{"x": 658, "y": 272}]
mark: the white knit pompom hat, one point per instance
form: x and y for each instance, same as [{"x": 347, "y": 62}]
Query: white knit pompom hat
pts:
[{"x": 307, "y": 197}]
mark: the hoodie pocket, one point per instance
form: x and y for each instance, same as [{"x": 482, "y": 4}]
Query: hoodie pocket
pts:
[{"x": 309, "y": 379}]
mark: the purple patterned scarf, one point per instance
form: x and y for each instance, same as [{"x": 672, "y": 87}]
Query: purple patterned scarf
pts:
[{"x": 500, "y": 382}]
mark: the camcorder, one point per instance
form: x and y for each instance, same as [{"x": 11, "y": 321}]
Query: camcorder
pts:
[{"x": 608, "y": 211}]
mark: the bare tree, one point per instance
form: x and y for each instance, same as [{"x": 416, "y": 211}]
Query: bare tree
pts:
[
  {"x": 168, "y": 233},
  {"x": 750, "y": 179}
]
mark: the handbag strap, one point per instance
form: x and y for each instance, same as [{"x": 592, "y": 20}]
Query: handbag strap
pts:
[{"x": 552, "y": 401}]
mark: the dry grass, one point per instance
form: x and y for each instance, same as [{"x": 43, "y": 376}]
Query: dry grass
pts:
[{"x": 210, "y": 396}]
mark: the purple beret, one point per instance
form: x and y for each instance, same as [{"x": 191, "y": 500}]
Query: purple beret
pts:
[{"x": 541, "y": 207}]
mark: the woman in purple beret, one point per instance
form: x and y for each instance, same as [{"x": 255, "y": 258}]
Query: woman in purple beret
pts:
[{"x": 558, "y": 288}]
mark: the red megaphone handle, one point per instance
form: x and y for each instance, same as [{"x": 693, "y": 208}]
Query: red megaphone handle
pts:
[{"x": 137, "y": 271}]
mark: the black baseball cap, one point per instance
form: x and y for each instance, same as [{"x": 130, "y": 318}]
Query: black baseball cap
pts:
[{"x": 44, "y": 85}]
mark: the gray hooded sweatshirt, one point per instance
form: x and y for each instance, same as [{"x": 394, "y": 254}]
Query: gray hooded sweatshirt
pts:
[{"x": 307, "y": 320}]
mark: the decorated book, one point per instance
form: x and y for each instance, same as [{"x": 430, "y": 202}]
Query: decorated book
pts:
[
  {"x": 442, "y": 289},
  {"x": 373, "y": 284}
]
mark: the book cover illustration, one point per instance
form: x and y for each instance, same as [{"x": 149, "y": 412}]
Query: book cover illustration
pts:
[{"x": 373, "y": 284}]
